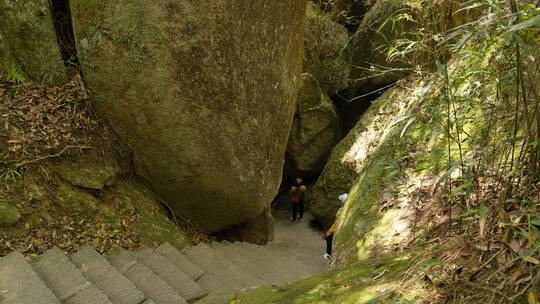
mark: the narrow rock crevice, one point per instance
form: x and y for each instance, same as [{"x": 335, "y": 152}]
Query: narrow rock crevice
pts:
[{"x": 61, "y": 13}]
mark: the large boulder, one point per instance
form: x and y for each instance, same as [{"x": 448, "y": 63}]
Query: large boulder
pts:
[
  {"x": 29, "y": 30},
  {"x": 325, "y": 40},
  {"x": 394, "y": 37},
  {"x": 6, "y": 57},
  {"x": 368, "y": 49},
  {"x": 202, "y": 92},
  {"x": 350, "y": 156},
  {"x": 316, "y": 128}
]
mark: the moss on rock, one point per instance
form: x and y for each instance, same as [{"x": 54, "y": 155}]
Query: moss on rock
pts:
[
  {"x": 28, "y": 28},
  {"x": 89, "y": 174},
  {"x": 315, "y": 129},
  {"x": 324, "y": 41},
  {"x": 9, "y": 215},
  {"x": 175, "y": 82},
  {"x": 152, "y": 225},
  {"x": 74, "y": 201}
]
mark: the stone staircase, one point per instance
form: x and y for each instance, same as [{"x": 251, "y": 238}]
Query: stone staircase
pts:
[{"x": 163, "y": 275}]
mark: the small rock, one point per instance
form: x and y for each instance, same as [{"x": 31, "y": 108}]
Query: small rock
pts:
[
  {"x": 73, "y": 201},
  {"x": 92, "y": 176},
  {"x": 9, "y": 215}
]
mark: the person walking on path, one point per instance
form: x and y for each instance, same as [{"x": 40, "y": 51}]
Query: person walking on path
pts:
[
  {"x": 329, "y": 235},
  {"x": 296, "y": 195}
]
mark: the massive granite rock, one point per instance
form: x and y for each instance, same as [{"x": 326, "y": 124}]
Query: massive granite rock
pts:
[
  {"x": 202, "y": 92},
  {"x": 316, "y": 128},
  {"x": 325, "y": 40},
  {"x": 29, "y": 30},
  {"x": 6, "y": 57}
]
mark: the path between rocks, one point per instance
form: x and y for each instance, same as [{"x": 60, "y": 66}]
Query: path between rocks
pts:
[{"x": 206, "y": 273}]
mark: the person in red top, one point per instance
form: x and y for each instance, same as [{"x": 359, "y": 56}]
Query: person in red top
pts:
[{"x": 296, "y": 195}]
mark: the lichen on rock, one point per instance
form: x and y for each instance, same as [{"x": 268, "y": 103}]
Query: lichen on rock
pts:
[
  {"x": 29, "y": 30},
  {"x": 9, "y": 215},
  {"x": 89, "y": 174},
  {"x": 316, "y": 128},
  {"x": 74, "y": 201},
  {"x": 325, "y": 40},
  {"x": 176, "y": 82}
]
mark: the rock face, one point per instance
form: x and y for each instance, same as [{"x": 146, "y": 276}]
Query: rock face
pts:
[
  {"x": 29, "y": 30},
  {"x": 368, "y": 48},
  {"x": 350, "y": 156},
  {"x": 73, "y": 201},
  {"x": 8, "y": 215},
  {"x": 90, "y": 174},
  {"x": 316, "y": 128},
  {"x": 324, "y": 42},
  {"x": 202, "y": 92},
  {"x": 6, "y": 57}
]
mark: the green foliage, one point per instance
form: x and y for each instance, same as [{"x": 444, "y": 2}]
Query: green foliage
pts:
[{"x": 16, "y": 75}]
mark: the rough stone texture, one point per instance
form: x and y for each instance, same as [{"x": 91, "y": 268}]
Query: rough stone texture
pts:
[
  {"x": 104, "y": 276},
  {"x": 316, "y": 128},
  {"x": 368, "y": 47},
  {"x": 180, "y": 261},
  {"x": 202, "y": 92},
  {"x": 89, "y": 174},
  {"x": 152, "y": 224},
  {"x": 349, "y": 157},
  {"x": 6, "y": 57},
  {"x": 324, "y": 41},
  {"x": 19, "y": 284},
  {"x": 9, "y": 215},
  {"x": 168, "y": 272},
  {"x": 73, "y": 201},
  {"x": 259, "y": 230},
  {"x": 143, "y": 278},
  {"x": 383, "y": 25},
  {"x": 65, "y": 280},
  {"x": 28, "y": 27}
]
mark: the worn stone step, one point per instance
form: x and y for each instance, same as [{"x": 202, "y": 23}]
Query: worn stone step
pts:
[
  {"x": 65, "y": 280},
  {"x": 19, "y": 284},
  {"x": 276, "y": 263},
  {"x": 143, "y": 278},
  {"x": 212, "y": 264},
  {"x": 167, "y": 271},
  {"x": 264, "y": 259},
  {"x": 240, "y": 259},
  {"x": 218, "y": 298},
  {"x": 182, "y": 262},
  {"x": 270, "y": 275},
  {"x": 104, "y": 276},
  {"x": 249, "y": 279},
  {"x": 212, "y": 284}
]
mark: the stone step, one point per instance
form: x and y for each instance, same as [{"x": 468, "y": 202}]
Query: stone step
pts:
[
  {"x": 250, "y": 279},
  {"x": 168, "y": 272},
  {"x": 271, "y": 275},
  {"x": 223, "y": 270},
  {"x": 238, "y": 258},
  {"x": 143, "y": 278},
  {"x": 212, "y": 284},
  {"x": 19, "y": 284},
  {"x": 65, "y": 280},
  {"x": 218, "y": 298},
  {"x": 182, "y": 262},
  {"x": 104, "y": 276},
  {"x": 277, "y": 263}
]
